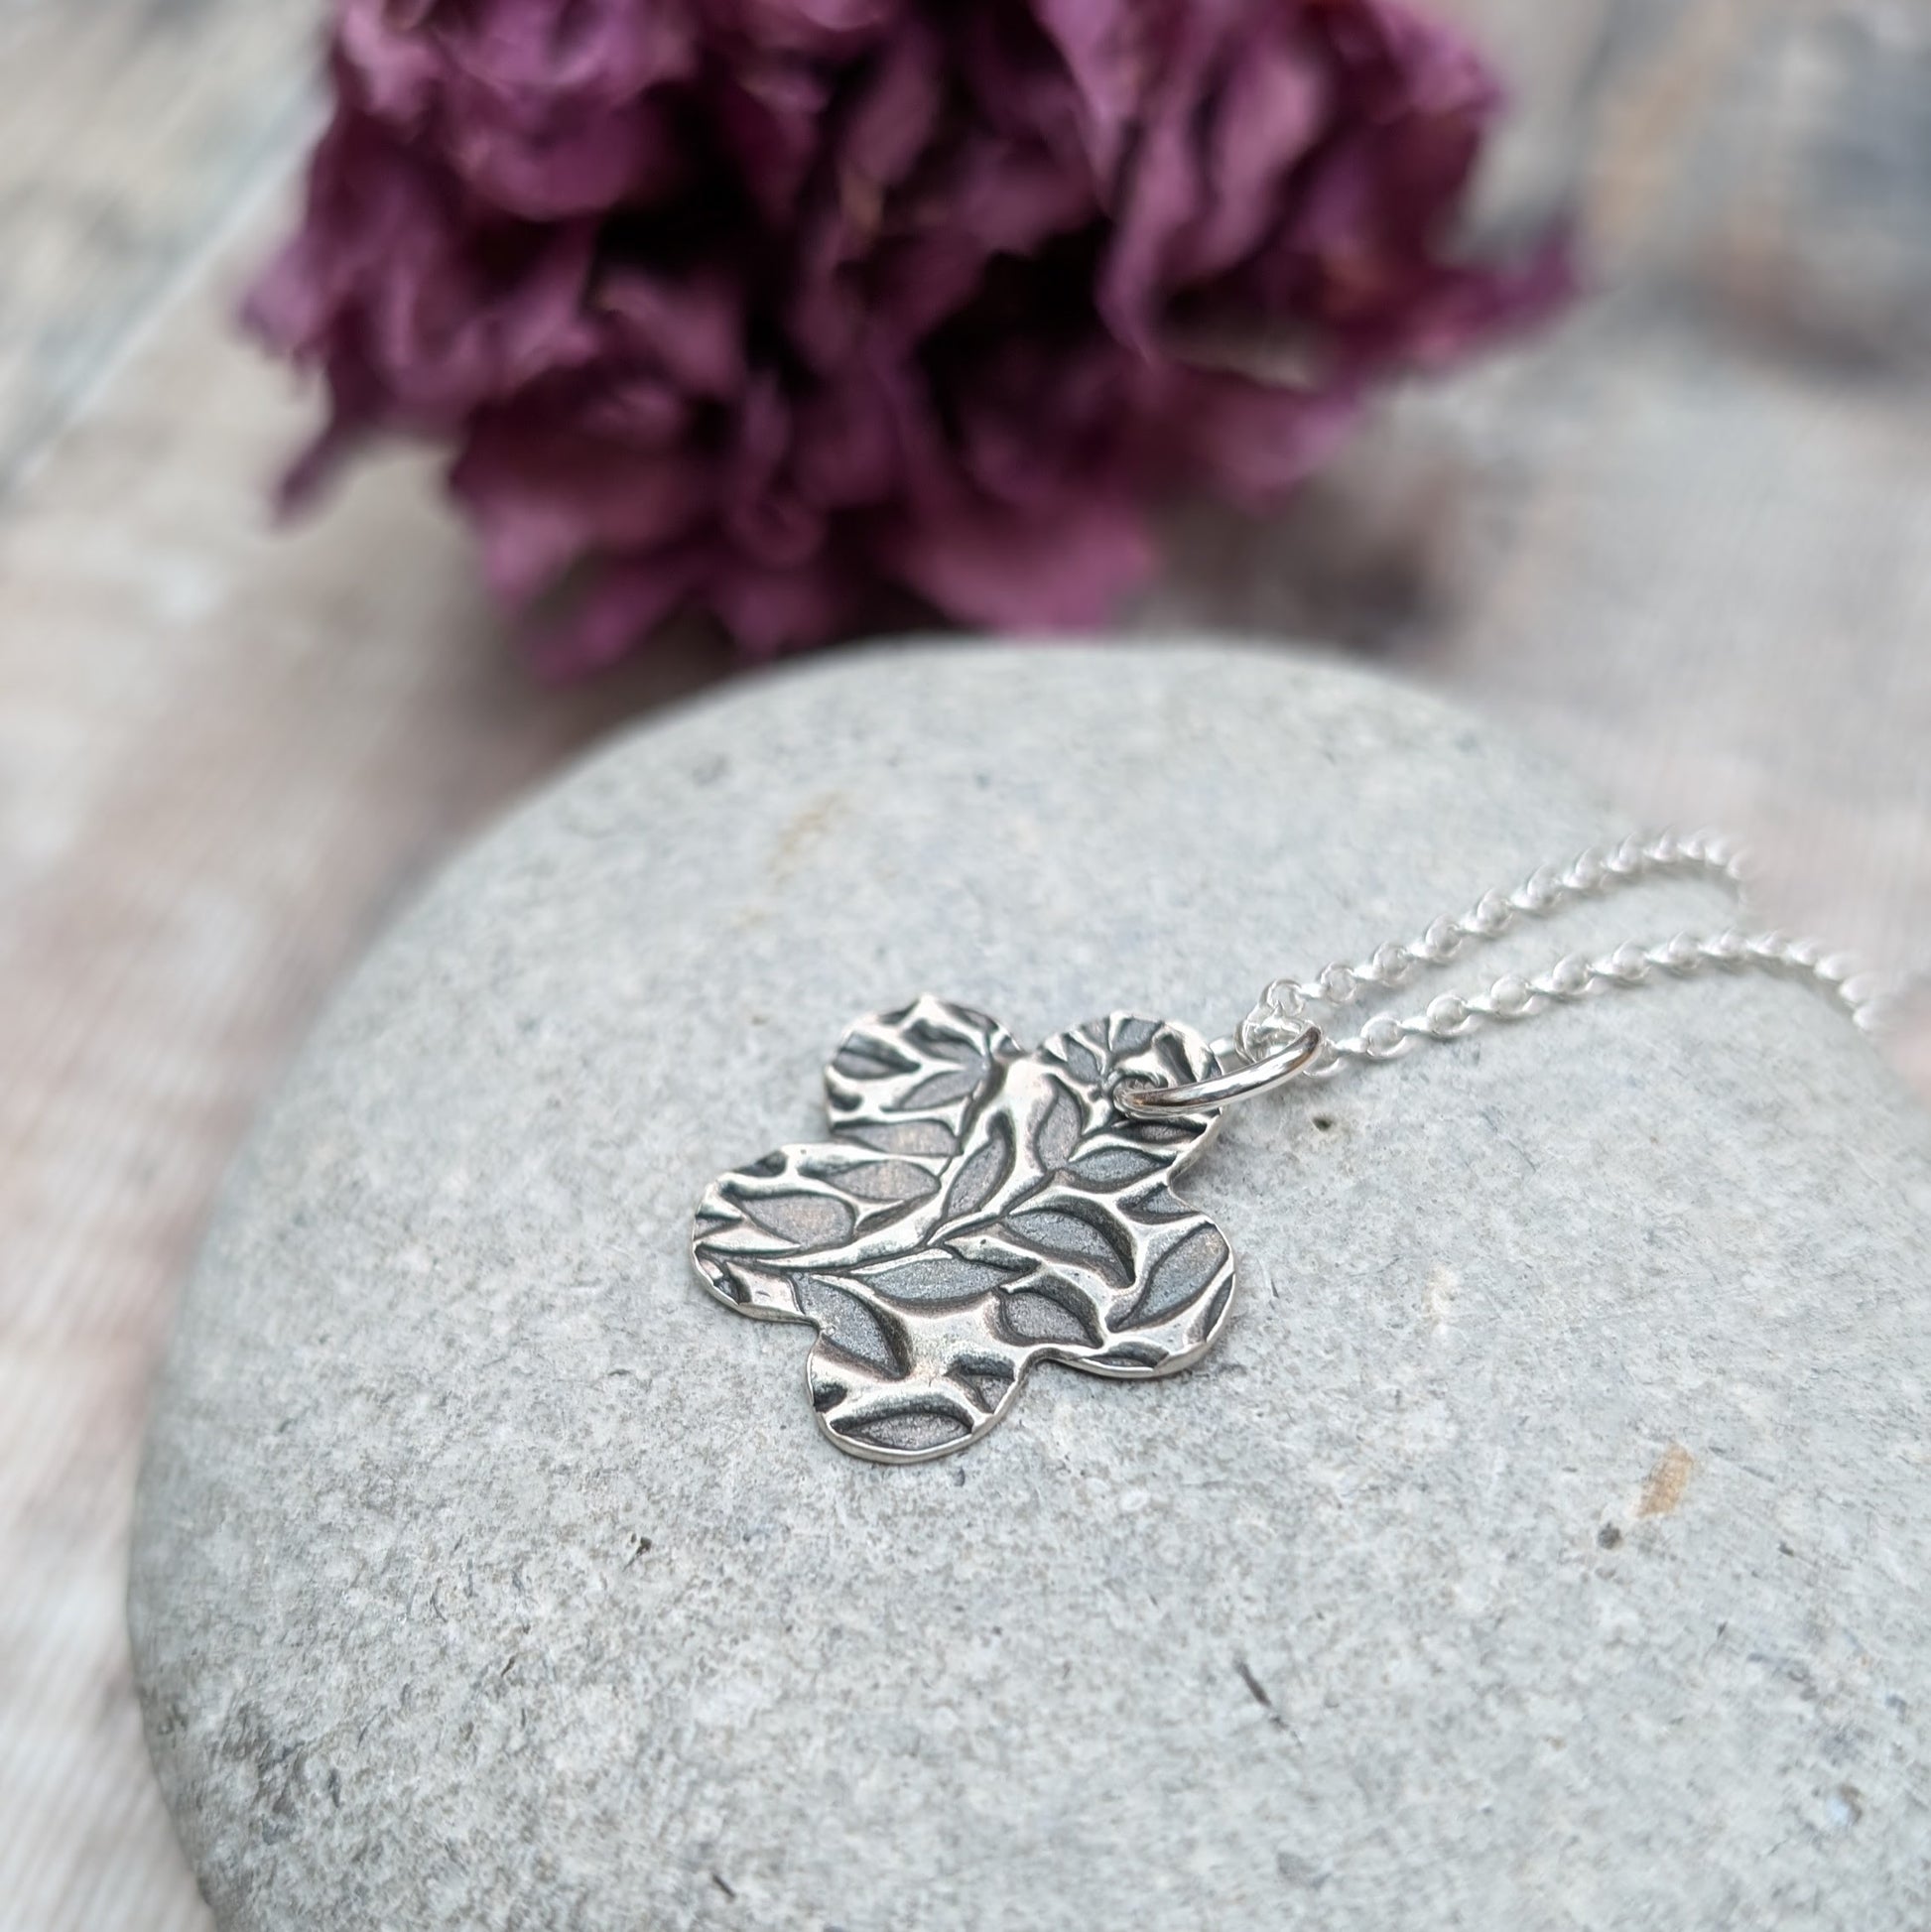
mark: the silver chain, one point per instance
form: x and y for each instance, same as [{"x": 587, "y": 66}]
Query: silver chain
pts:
[{"x": 1287, "y": 1009}]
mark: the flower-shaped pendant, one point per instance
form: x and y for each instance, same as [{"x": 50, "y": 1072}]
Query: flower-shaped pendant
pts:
[{"x": 977, "y": 1209}]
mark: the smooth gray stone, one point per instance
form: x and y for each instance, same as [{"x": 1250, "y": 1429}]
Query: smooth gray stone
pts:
[{"x": 1545, "y": 1545}]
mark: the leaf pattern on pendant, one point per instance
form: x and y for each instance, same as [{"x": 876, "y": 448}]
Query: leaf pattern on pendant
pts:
[{"x": 977, "y": 1209}]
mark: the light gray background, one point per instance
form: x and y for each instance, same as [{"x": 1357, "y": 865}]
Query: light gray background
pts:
[{"x": 1543, "y": 1547}]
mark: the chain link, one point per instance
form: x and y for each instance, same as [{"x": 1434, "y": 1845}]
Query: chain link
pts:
[{"x": 1282, "y": 1013}]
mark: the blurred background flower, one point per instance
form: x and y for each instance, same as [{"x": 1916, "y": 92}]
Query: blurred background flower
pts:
[{"x": 805, "y": 311}]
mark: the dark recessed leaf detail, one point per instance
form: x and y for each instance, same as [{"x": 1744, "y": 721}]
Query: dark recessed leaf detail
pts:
[
  {"x": 977, "y": 1174},
  {"x": 937, "y": 1275},
  {"x": 806, "y": 1220},
  {"x": 977, "y": 1209},
  {"x": 989, "y": 1382},
  {"x": 1034, "y": 1314},
  {"x": 1183, "y": 1270},
  {"x": 850, "y": 1323},
  {"x": 1059, "y": 1133},
  {"x": 888, "y": 1179},
  {"x": 1112, "y": 1167},
  {"x": 1087, "y": 1240}
]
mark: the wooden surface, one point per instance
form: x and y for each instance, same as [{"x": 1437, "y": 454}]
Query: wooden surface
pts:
[{"x": 1686, "y": 542}]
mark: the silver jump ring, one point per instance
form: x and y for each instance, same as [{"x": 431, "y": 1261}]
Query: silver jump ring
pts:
[{"x": 1244, "y": 1083}]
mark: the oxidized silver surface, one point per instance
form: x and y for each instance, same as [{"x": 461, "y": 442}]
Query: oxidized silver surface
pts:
[
  {"x": 980, "y": 1208},
  {"x": 977, "y": 1209}
]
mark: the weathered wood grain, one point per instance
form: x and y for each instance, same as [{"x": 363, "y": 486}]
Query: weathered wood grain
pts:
[
  {"x": 129, "y": 132},
  {"x": 224, "y": 753},
  {"x": 1686, "y": 540}
]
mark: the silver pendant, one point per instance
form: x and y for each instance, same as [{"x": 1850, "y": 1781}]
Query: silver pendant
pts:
[{"x": 977, "y": 1209}]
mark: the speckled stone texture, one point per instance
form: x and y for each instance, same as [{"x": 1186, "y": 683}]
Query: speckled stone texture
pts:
[{"x": 1545, "y": 1545}]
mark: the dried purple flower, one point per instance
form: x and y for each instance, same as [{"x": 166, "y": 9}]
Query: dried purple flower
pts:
[{"x": 772, "y": 306}]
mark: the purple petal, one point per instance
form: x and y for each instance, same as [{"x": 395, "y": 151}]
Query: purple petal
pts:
[
  {"x": 542, "y": 498},
  {"x": 782, "y": 310},
  {"x": 982, "y": 564}
]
